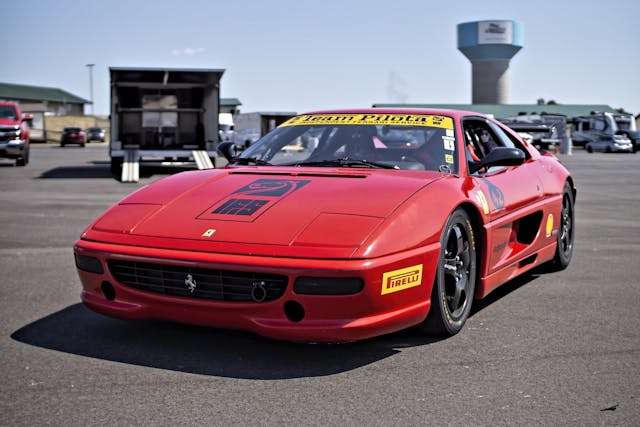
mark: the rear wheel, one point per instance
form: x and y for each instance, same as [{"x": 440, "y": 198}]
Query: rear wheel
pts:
[
  {"x": 454, "y": 286},
  {"x": 566, "y": 233}
]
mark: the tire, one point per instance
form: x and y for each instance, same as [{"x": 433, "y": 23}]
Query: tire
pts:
[
  {"x": 62, "y": 144},
  {"x": 589, "y": 149},
  {"x": 116, "y": 166},
  {"x": 608, "y": 150},
  {"x": 566, "y": 233},
  {"x": 455, "y": 282},
  {"x": 24, "y": 160},
  {"x": 82, "y": 144}
]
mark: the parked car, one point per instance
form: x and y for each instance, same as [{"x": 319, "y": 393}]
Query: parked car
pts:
[
  {"x": 14, "y": 133},
  {"x": 345, "y": 237},
  {"x": 634, "y": 137},
  {"x": 611, "y": 144},
  {"x": 602, "y": 126},
  {"x": 72, "y": 135},
  {"x": 95, "y": 134}
]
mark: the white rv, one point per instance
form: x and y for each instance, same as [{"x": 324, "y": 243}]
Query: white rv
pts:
[{"x": 601, "y": 126}]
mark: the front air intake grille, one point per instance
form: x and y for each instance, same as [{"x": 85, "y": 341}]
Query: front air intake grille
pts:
[{"x": 221, "y": 285}]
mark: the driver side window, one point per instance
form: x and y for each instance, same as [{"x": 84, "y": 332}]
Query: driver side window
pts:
[{"x": 480, "y": 139}]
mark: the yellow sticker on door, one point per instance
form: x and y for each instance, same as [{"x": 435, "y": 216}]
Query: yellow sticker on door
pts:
[
  {"x": 399, "y": 280},
  {"x": 483, "y": 201}
]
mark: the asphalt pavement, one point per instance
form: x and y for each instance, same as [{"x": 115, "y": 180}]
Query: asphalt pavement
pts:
[{"x": 546, "y": 349}]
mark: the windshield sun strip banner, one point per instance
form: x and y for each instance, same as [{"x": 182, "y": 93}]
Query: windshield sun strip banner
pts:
[{"x": 371, "y": 119}]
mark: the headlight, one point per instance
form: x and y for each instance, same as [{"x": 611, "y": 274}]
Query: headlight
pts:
[{"x": 90, "y": 264}]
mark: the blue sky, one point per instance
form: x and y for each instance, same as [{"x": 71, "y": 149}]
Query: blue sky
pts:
[{"x": 284, "y": 55}]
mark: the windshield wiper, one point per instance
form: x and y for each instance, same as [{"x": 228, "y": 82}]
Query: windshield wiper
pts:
[
  {"x": 249, "y": 160},
  {"x": 347, "y": 162}
]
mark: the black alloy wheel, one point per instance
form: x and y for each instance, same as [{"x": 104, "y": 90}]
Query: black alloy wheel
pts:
[
  {"x": 566, "y": 232},
  {"x": 454, "y": 287}
]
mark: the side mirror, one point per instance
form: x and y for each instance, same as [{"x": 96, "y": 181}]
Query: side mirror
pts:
[
  {"x": 228, "y": 150},
  {"x": 500, "y": 156}
]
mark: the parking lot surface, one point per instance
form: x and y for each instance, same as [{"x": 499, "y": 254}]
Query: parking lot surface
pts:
[{"x": 546, "y": 349}]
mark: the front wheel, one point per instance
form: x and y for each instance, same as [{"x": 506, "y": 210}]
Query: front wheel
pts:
[{"x": 455, "y": 282}]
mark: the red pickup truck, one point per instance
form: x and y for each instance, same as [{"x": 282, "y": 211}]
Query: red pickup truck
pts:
[{"x": 14, "y": 133}]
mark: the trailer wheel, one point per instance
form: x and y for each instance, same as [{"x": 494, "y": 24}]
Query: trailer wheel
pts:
[{"x": 116, "y": 165}]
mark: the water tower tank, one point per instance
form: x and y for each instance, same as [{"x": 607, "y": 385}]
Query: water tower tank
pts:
[{"x": 490, "y": 45}]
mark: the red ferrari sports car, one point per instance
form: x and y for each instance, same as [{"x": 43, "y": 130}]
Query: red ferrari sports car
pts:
[{"x": 336, "y": 226}]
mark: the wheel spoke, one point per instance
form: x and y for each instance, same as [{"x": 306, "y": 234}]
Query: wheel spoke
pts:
[
  {"x": 465, "y": 257},
  {"x": 454, "y": 301},
  {"x": 459, "y": 240}
]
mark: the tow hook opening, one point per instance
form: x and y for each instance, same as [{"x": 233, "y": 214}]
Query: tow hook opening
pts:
[
  {"x": 294, "y": 311},
  {"x": 108, "y": 290}
]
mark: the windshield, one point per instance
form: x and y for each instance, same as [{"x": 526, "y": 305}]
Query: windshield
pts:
[
  {"x": 624, "y": 123},
  {"x": 8, "y": 112},
  {"x": 398, "y": 141}
]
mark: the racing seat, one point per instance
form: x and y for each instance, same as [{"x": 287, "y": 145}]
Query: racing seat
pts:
[{"x": 361, "y": 145}]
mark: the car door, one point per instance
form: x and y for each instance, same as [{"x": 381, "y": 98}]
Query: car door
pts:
[{"x": 508, "y": 196}]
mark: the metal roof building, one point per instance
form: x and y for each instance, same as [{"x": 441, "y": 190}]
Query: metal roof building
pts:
[
  {"x": 500, "y": 111},
  {"x": 229, "y": 105},
  {"x": 39, "y": 98}
]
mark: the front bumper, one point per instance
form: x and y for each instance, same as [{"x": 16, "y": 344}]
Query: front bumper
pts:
[
  {"x": 622, "y": 148},
  {"x": 13, "y": 149},
  {"x": 326, "y": 318}
]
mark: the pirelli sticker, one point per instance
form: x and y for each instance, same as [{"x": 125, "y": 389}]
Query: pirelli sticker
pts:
[
  {"x": 399, "y": 280},
  {"x": 372, "y": 119}
]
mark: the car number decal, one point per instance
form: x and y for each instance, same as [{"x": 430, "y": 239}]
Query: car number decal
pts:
[{"x": 252, "y": 200}]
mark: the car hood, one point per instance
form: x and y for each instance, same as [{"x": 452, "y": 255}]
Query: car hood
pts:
[
  {"x": 222, "y": 208},
  {"x": 9, "y": 122}
]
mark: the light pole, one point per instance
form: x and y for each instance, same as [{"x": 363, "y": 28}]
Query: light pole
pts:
[{"x": 90, "y": 66}]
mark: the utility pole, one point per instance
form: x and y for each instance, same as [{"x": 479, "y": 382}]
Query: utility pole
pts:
[{"x": 90, "y": 66}]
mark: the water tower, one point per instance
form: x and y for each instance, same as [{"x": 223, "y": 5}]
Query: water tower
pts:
[{"x": 490, "y": 45}]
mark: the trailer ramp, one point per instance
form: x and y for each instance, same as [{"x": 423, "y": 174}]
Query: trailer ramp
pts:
[
  {"x": 202, "y": 159},
  {"x": 131, "y": 166},
  {"x": 132, "y": 157}
]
